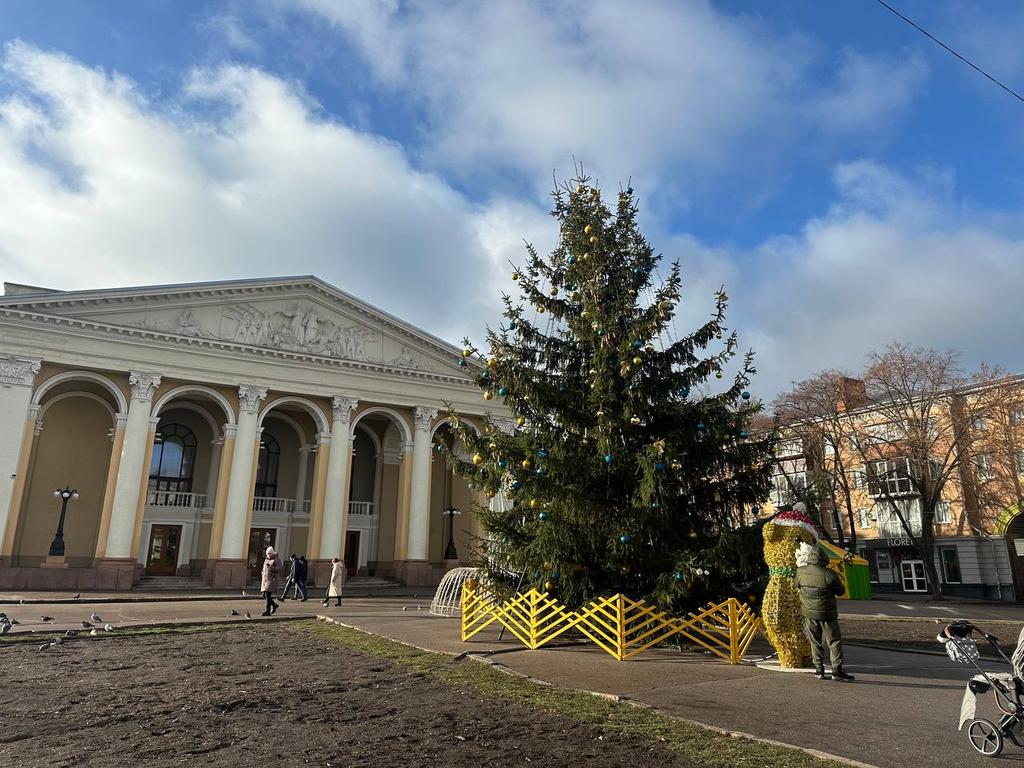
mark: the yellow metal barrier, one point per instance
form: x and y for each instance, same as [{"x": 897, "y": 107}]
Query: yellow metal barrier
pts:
[{"x": 618, "y": 625}]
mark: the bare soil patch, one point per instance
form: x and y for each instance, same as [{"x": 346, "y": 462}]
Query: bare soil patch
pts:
[
  {"x": 919, "y": 634},
  {"x": 272, "y": 695}
]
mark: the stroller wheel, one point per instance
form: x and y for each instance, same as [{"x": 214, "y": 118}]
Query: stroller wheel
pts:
[{"x": 985, "y": 737}]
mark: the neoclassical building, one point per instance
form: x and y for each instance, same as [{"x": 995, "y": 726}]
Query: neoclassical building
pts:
[{"x": 199, "y": 423}]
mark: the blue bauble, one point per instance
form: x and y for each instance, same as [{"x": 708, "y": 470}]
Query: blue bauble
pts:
[
  {"x": 542, "y": 470},
  {"x": 744, "y": 434},
  {"x": 755, "y": 510},
  {"x": 502, "y": 391},
  {"x": 439, "y": 448},
  {"x": 607, "y": 458},
  {"x": 638, "y": 270},
  {"x": 625, "y": 538},
  {"x": 745, "y": 395},
  {"x": 684, "y": 392},
  {"x": 543, "y": 453},
  {"x": 463, "y": 363},
  {"x": 485, "y": 375},
  {"x": 561, "y": 387},
  {"x": 629, "y": 190},
  {"x": 655, "y": 504},
  {"x": 700, "y": 425},
  {"x": 542, "y": 515},
  {"x": 571, "y": 260},
  {"x": 502, "y": 463},
  {"x": 555, "y": 575},
  {"x": 637, "y": 344},
  {"x": 516, "y": 485},
  {"x": 659, "y": 466},
  {"x": 678, "y": 576}
]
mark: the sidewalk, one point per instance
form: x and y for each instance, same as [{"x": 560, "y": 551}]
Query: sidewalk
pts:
[
  {"x": 901, "y": 711},
  {"x": 192, "y": 595}
]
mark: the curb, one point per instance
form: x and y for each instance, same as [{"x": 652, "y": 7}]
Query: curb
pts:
[
  {"x": 482, "y": 657},
  {"x": 179, "y": 598}
]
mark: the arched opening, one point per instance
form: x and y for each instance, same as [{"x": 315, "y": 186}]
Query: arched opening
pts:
[
  {"x": 451, "y": 534},
  {"x": 75, "y": 425},
  {"x": 380, "y": 437}
]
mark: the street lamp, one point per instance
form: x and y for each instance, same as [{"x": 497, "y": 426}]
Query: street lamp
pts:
[
  {"x": 64, "y": 494},
  {"x": 449, "y": 552}
]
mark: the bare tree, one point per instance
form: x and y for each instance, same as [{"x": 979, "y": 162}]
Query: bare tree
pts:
[
  {"x": 817, "y": 409},
  {"x": 920, "y": 432}
]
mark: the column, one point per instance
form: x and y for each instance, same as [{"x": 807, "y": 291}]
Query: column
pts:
[
  {"x": 18, "y": 423},
  {"x": 300, "y": 486},
  {"x": 339, "y": 467},
  {"x": 402, "y": 513},
  {"x": 227, "y": 451},
  {"x": 316, "y": 501},
  {"x": 419, "y": 499},
  {"x": 240, "y": 478},
  {"x": 109, "y": 488},
  {"x": 131, "y": 466},
  {"x": 140, "y": 504}
]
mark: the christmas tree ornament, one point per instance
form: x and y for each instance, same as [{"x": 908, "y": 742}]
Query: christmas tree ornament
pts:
[
  {"x": 542, "y": 470},
  {"x": 718, "y": 374},
  {"x": 648, "y": 348},
  {"x": 548, "y": 566},
  {"x": 527, "y": 464},
  {"x": 659, "y": 466},
  {"x": 542, "y": 516},
  {"x": 678, "y": 576},
  {"x": 542, "y": 453},
  {"x": 700, "y": 425},
  {"x": 593, "y": 371},
  {"x": 520, "y": 421},
  {"x": 490, "y": 494},
  {"x": 502, "y": 391},
  {"x": 655, "y": 504},
  {"x": 744, "y": 434},
  {"x": 467, "y": 352},
  {"x": 555, "y": 575},
  {"x": 587, "y": 229},
  {"x": 637, "y": 344},
  {"x": 638, "y": 270},
  {"x": 571, "y": 260},
  {"x": 548, "y": 586},
  {"x": 553, "y": 291},
  {"x": 607, "y": 458},
  {"x": 692, "y": 534},
  {"x": 478, "y": 459},
  {"x": 540, "y": 310},
  {"x": 485, "y": 375},
  {"x": 584, "y": 313},
  {"x": 676, "y": 465},
  {"x": 561, "y": 387},
  {"x": 593, "y": 239},
  {"x": 516, "y": 485},
  {"x": 439, "y": 448},
  {"x": 637, "y": 360},
  {"x": 634, "y": 420},
  {"x": 745, "y": 395},
  {"x": 625, "y": 538},
  {"x": 463, "y": 363},
  {"x": 502, "y": 463},
  {"x": 491, "y": 362},
  {"x": 684, "y": 392},
  {"x": 629, "y": 190},
  {"x": 492, "y": 446},
  {"x": 534, "y": 503},
  {"x": 488, "y": 395}
]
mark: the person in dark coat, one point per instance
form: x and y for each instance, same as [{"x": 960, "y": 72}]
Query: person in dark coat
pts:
[
  {"x": 301, "y": 574},
  {"x": 819, "y": 587},
  {"x": 292, "y": 579}
]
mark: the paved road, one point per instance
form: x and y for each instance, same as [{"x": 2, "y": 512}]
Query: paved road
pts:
[
  {"x": 946, "y": 610},
  {"x": 901, "y": 711}
]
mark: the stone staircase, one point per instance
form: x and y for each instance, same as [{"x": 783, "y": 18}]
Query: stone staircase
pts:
[{"x": 170, "y": 584}]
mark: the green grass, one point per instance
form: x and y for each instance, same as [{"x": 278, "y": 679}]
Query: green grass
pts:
[{"x": 704, "y": 747}]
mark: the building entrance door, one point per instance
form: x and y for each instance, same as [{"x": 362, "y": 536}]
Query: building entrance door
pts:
[
  {"x": 912, "y": 576},
  {"x": 164, "y": 541},
  {"x": 352, "y": 552},
  {"x": 259, "y": 540}
]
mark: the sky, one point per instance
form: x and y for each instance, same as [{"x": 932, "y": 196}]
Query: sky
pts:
[{"x": 849, "y": 182}]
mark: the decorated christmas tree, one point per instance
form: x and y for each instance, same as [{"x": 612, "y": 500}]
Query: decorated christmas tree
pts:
[{"x": 627, "y": 466}]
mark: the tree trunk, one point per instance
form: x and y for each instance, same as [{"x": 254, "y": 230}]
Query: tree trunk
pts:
[
  {"x": 926, "y": 550},
  {"x": 853, "y": 524}
]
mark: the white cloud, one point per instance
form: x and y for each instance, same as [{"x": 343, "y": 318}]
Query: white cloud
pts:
[
  {"x": 677, "y": 92},
  {"x": 240, "y": 177},
  {"x": 897, "y": 258}
]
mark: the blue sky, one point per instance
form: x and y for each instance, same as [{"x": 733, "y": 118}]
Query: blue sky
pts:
[{"x": 851, "y": 183}]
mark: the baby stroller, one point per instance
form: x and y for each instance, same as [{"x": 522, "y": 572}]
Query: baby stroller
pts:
[{"x": 987, "y": 738}]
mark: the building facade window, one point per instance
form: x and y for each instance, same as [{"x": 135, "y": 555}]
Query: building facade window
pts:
[
  {"x": 983, "y": 467},
  {"x": 792, "y": 447},
  {"x": 1020, "y": 462},
  {"x": 943, "y": 512},
  {"x": 1017, "y": 416},
  {"x": 174, "y": 459},
  {"x": 865, "y": 517},
  {"x": 890, "y": 477},
  {"x": 950, "y": 557},
  {"x": 860, "y": 480},
  {"x": 980, "y": 424},
  {"x": 266, "y": 469}
]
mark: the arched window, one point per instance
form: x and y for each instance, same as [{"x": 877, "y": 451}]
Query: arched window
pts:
[
  {"x": 174, "y": 459},
  {"x": 266, "y": 469}
]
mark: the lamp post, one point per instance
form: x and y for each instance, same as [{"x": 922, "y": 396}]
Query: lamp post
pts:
[
  {"x": 449, "y": 552},
  {"x": 64, "y": 494}
]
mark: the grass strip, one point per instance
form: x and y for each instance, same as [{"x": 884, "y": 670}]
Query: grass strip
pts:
[{"x": 704, "y": 747}]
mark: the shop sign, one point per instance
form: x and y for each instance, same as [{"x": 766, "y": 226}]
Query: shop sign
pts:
[{"x": 901, "y": 542}]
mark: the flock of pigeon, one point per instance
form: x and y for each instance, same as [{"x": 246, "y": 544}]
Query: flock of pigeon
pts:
[{"x": 92, "y": 626}]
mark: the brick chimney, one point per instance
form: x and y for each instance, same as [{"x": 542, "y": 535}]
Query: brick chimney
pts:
[{"x": 852, "y": 394}]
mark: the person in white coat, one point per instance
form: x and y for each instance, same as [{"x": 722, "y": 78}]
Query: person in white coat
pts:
[{"x": 337, "y": 581}]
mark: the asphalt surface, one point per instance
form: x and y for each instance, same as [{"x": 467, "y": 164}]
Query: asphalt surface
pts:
[
  {"x": 901, "y": 711},
  {"x": 946, "y": 610}
]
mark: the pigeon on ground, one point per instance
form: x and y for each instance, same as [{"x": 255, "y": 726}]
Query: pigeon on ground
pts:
[
  {"x": 5, "y": 627},
  {"x": 2, "y": 615},
  {"x": 86, "y": 625},
  {"x": 76, "y": 596},
  {"x": 94, "y": 632},
  {"x": 58, "y": 641},
  {"x": 108, "y": 627},
  {"x": 234, "y": 613},
  {"x": 71, "y": 633},
  {"x": 46, "y": 618},
  {"x": 405, "y": 607},
  {"x": 14, "y": 622},
  {"x": 96, "y": 618},
  {"x": 44, "y": 646},
  {"x": 248, "y": 615}
]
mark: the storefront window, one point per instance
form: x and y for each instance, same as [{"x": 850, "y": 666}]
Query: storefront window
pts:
[{"x": 950, "y": 564}]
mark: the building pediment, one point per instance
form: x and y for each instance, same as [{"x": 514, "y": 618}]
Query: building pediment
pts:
[{"x": 301, "y": 316}]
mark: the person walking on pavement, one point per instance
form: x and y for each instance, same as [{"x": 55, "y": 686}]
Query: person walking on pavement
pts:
[
  {"x": 819, "y": 587},
  {"x": 301, "y": 574},
  {"x": 337, "y": 581},
  {"x": 268, "y": 581},
  {"x": 292, "y": 580}
]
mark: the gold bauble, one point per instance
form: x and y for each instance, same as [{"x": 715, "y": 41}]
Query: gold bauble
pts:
[
  {"x": 478, "y": 459},
  {"x": 635, "y": 420},
  {"x": 553, "y": 291},
  {"x": 488, "y": 395},
  {"x": 593, "y": 239},
  {"x": 649, "y": 348},
  {"x": 548, "y": 586},
  {"x": 526, "y": 464},
  {"x": 637, "y": 360},
  {"x": 520, "y": 421},
  {"x": 491, "y": 362},
  {"x": 718, "y": 374},
  {"x": 540, "y": 310},
  {"x": 467, "y": 352},
  {"x": 580, "y": 188},
  {"x": 548, "y": 566},
  {"x": 516, "y": 276},
  {"x": 692, "y": 534},
  {"x": 534, "y": 503},
  {"x": 588, "y": 229}
]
